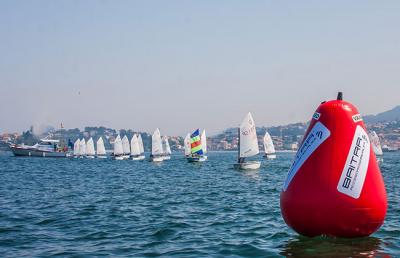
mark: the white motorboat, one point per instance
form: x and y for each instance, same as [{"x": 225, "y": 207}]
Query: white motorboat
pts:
[{"x": 44, "y": 148}]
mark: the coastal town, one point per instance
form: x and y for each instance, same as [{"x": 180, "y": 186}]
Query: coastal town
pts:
[{"x": 285, "y": 137}]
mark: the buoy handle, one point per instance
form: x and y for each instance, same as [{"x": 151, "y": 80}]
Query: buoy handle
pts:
[{"x": 340, "y": 95}]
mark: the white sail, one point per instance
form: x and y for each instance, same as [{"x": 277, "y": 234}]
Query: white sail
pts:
[
  {"x": 125, "y": 145},
  {"x": 76, "y": 147},
  {"x": 156, "y": 143},
  {"x": 203, "y": 139},
  {"x": 376, "y": 144},
  {"x": 186, "y": 143},
  {"x": 82, "y": 147},
  {"x": 90, "y": 147},
  {"x": 269, "y": 147},
  {"x": 101, "y": 150},
  {"x": 248, "y": 137},
  {"x": 118, "y": 150},
  {"x": 135, "y": 148},
  {"x": 167, "y": 148},
  {"x": 141, "y": 147}
]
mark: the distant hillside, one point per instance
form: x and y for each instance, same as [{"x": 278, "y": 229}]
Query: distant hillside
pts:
[{"x": 390, "y": 115}]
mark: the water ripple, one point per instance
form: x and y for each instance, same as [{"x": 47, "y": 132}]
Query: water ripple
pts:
[{"x": 81, "y": 208}]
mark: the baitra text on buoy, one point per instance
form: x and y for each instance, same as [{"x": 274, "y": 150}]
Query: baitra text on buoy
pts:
[{"x": 334, "y": 186}]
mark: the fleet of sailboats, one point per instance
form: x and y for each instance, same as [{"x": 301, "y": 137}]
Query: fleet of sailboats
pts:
[
  {"x": 195, "y": 146},
  {"x": 248, "y": 144},
  {"x": 122, "y": 148},
  {"x": 269, "y": 147}
]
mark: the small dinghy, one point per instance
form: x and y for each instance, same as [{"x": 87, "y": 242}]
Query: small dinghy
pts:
[
  {"x": 76, "y": 148},
  {"x": 118, "y": 150},
  {"x": 135, "y": 148},
  {"x": 141, "y": 148},
  {"x": 82, "y": 148},
  {"x": 186, "y": 143},
  {"x": 376, "y": 144},
  {"x": 204, "y": 143},
  {"x": 167, "y": 149},
  {"x": 156, "y": 147},
  {"x": 248, "y": 144},
  {"x": 197, "y": 154},
  {"x": 90, "y": 152},
  {"x": 269, "y": 147},
  {"x": 126, "y": 147},
  {"x": 101, "y": 150}
]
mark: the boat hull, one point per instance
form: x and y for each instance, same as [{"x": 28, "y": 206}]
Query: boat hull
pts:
[
  {"x": 101, "y": 156},
  {"x": 118, "y": 157},
  {"x": 249, "y": 165},
  {"x": 196, "y": 159},
  {"x": 156, "y": 159},
  {"x": 137, "y": 157},
  {"x": 22, "y": 152},
  {"x": 166, "y": 157},
  {"x": 270, "y": 156}
]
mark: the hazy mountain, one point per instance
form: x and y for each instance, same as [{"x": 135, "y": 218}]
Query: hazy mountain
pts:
[{"x": 390, "y": 115}]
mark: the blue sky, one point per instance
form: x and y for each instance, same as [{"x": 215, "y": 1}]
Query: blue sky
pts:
[{"x": 179, "y": 65}]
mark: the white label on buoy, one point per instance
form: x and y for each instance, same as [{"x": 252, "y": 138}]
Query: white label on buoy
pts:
[
  {"x": 316, "y": 115},
  {"x": 357, "y": 118},
  {"x": 355, "y": 169},
  {"x": 318, "y": 134}
]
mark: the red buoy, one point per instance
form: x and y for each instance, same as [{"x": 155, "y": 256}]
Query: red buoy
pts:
[{"x": 334, "y": 186}]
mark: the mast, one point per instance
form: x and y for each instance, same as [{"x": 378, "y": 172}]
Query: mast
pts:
[{"x": 239, "y": 145}]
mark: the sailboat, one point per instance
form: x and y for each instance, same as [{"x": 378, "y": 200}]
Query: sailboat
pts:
[
  {"x": 135, "y": 148},
  {"x": 141, "y": 148},
  {"x": 76, "y": 148},
  {"x": 125, "y": 147},
  {"x": 90, "y": 152},
  {"x": 196, "y": 148},
  {"x": 248, "y": 144},
  {"x": 156, "y": 147},
  {"x": 203, "y": 138},
  {"x": 101, "y": 150},
  {"x": 167, "y": 149},
  {"x": 186, "y": 143},
  {"x": 82, "y": 148},
  {"x": 376, "y": 144},
  {"x": 269, "y": 147},
  {"x": 118, "y": 153}
]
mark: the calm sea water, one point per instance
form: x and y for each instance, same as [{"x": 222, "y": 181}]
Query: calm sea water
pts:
[{"x": 79, "y": 207}]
